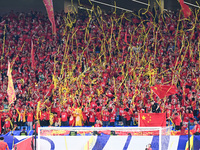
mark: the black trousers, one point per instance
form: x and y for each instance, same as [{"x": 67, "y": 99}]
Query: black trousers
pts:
[
  {"x": 128, "y": 122},
  {"x": 91, "y": 123},
  {"x": 20, "y": 124},
  {"x": 112, "y": 124},
  {"x": 43, "y": 123}
]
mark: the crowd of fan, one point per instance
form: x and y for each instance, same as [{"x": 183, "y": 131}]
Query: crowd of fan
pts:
[{"x": 99, "y": 67}]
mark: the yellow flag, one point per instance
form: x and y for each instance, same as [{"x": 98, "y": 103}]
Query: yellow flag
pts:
[{"x": 10, "y": 89}]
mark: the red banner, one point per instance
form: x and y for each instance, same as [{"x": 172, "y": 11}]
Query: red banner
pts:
[
  {"x": 186, "y": 9},
  {"x": 152, "y": 119},
  {"x": 164, "y": 90},
  {"x": 125, "y": 38},
  {"x": 32, "y": 56},
  {"x": 49, "y": 7},
  {"x": 10, "y": 89}
]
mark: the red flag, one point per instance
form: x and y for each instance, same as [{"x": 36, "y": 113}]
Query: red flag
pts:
[
  {"x": 186, "y": 9},
  {"x": 152, "y": 119},
  {"x": 32, "y": 56},
  {"x": 10, "y": 89},
  {"x": 24, "y": 145},
  {"x": 125, "y": 38},
  {"x": 164, "y": 90},
  {"x": 171, "y": 90},
  {"x": 49, "y": 7}
]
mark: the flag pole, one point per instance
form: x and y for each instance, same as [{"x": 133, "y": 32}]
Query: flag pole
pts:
[
  {"x": 189, "y": 134},
  {"x": 35, "y": 136}
]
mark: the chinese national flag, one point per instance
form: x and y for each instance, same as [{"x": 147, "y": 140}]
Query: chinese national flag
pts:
[
  {"x": 164, "y": 90},
  {"x": 152, "y": 120},
  {"x": 186, "y": 9},
  {"x": 49, "y": 7}
]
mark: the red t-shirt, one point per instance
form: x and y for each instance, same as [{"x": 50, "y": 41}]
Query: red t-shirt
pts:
[
  {"x": 7, "y": 124},
  {"x": 57, "y": 110},
  {"x": 43, "y": 116},
  {"x": 196, "y": 127},
  {"x": 106, "y": 116},
  {"x": 3, "y": 145},
  {"x": 185, "y": 117},
  {"x": 98, "y": 115},
  {"x": 92, "y": 117},
  {"x": 64, "y": 116},
  {"x": 121, "y": 111},
  {"x": 191, "y": 116},
  {"x": 29, "y": 117},
  {"x": 97, "y": 125},
  {"x": 177, "y": 120},
  {"x": 112, "y": 117},
  {"x": 93, "y": 104},
  {"x": 127, "y": 115}
]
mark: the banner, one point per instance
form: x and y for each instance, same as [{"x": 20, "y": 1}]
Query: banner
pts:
[
  {"x": 186, "y": 9},
  {"x": 152, "y": 120},
  {"x": 10, "y": 89},
  {"x": 32, "y": 56},
  {"x": 164, "y": 90},
  {"x": 112, "y": 142},
  {"x": 125, "y": 38},
  {"x": 49, "y": 7}
]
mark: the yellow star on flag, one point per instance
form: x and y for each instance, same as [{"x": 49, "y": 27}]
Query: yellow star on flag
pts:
[{"x": 143, "y": 117}]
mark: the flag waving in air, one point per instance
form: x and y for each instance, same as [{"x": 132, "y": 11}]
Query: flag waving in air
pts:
[
  {"x": 32, "y": 56},
  {"x": 10, "y": 89},
  {"x": 164, "y": 90},
  {"x": 49, "y": 7},
  {"x": 186, "y": 9},
  {"x": 125, "y": 38}
]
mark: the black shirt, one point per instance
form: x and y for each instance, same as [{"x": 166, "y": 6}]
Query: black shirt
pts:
[
  {"x": 154, "y": 107},
  {"x": 23, "y": 133}
]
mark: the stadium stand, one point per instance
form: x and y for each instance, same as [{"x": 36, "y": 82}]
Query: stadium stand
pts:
[{"x": 99, "y": 68}]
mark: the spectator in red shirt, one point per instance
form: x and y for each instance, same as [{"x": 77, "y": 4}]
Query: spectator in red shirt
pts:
[
  {"x": 196, "y": 129},
  {"x": 191, "y": 117},
  {"x": 43, "y": 116},
  {"x": 30, "y": 119},
  {"x": 121, "y": 112},
  {"x": 64, "y": 118},
  {"x": 112, "y": 116},
  {"x": 7, "y": 124},
  {"x": 14, "y": 117},
  {"x": 3, "y": 145},
  {"x": 186, "y": 116},
  {"x": 92, "y": 117},
  {"x": 105, "y": 117},
  {"x": 177, "y": 121},
  {"x": 128, "y": 116},
  {"x": 98, "y": 123}
]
